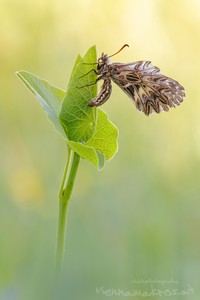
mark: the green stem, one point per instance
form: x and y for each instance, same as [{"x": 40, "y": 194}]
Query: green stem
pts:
[
  {"x": 64, "y": 196},
  {"x": 65, "y": 172}
]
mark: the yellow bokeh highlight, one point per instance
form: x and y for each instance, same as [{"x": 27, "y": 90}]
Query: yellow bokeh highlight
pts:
[
  {"x": 137, "y": 218},
  {"x": 25, "y": 187}
]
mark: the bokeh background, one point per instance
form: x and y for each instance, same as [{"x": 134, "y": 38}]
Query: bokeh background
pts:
[{"x": 139, "y": 218}]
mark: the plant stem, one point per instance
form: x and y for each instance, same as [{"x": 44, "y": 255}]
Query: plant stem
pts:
[
  {"x": 65, "y": 172},
  {"x": 64, "y": 196}
]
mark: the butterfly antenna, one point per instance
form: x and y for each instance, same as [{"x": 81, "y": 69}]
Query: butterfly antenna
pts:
[{"x": 126, "y": 45}]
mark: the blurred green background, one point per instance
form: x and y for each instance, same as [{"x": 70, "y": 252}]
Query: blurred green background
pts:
[{"x": 139, "y": 218}]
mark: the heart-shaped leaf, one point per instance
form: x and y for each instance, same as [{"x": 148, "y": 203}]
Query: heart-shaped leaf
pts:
[{"x": 86, "y": 130}]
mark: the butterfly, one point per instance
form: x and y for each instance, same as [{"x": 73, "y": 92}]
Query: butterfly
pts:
[{"x": 148, "y": 88}]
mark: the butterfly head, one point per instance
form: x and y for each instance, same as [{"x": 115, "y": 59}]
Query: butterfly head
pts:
[{"x": 103, "y": 61}]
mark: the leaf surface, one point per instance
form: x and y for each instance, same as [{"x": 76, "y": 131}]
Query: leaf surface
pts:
[
  {"x": 78, "y": 119},
  {"x": 88, "y": 131},
  {"x": 48, "y": 96}
]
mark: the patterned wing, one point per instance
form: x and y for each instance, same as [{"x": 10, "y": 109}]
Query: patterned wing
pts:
[{"x": 150, "y": 90}]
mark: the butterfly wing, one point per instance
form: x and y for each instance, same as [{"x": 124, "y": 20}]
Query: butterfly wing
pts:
[{"x": 150, "y": 90}]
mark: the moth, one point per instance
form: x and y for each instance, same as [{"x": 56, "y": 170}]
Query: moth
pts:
[{"x": 148, "y": 88}]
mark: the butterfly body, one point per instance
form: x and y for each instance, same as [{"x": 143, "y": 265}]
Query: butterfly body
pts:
[{"x": 148, "y": 88}]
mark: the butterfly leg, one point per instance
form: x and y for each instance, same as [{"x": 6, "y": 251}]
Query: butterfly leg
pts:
[
  {"x": 93, "y": 70},
  {"x": 103, "y": 95},
  {"x": 89, "y": 84}
]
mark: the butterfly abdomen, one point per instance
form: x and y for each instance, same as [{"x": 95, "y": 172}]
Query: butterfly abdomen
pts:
[{"x": 104, "y": 94}]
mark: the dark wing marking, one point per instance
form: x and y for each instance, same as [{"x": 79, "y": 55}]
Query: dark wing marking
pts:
[{"x": 150, "y": 90}]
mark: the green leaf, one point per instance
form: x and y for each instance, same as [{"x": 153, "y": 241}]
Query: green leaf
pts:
[
  {"x": 86, "y": 130},
  {"x": 89, "y": 153},
  {"x": 76, "y": 116},
  {"x": 49, "y": 97},
  {"x": 105, "y": 137},
  {"x": 102, "y": 146},
  {"x": 85, "y": 151}
]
